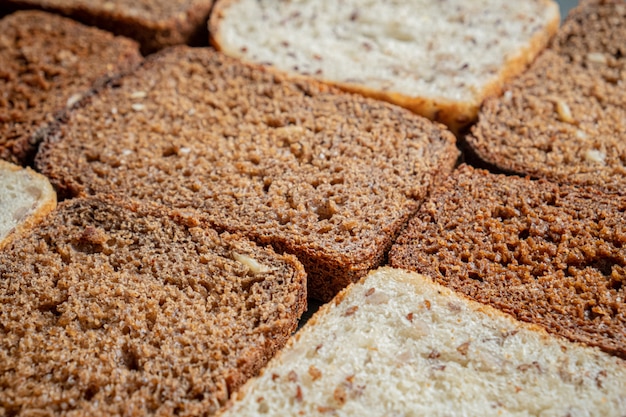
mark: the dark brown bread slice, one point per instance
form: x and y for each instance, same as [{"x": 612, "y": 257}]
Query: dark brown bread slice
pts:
[
  {"x": 325, "y": 175},
  {"x": 155, "y": 24},
  {"x": 565, "y": 119},
  {"x": 118, "y": 308},
  {"x": 47, "y": 64},
  {"x": 548, "y": 254}
]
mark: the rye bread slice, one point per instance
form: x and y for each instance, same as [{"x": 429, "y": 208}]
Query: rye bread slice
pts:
[
  {"x": 112, "y": 307},
  {"x": 565, "y": 118},
  {"x": 155, "y": 24},
  {"x": 328, "y": 176},
  {"x": 554, "y": 255},
  {"x": 47, "y": 64}
]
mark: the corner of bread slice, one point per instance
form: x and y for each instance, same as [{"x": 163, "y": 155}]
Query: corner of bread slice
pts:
[
  {"x": 396, "y": 343},
  {"x": 26, "y": 197}
]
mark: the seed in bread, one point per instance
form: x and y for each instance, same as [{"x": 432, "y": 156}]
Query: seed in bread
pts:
[
  {"x": 26, "y": 197},
  {"x": 548, "y": 254},
  {"x": 113, "y": 307},
  {"x": 440, "y": 59},
  {"x": 48, "y": 64},
  {"x": 415, "y": 348},
  {"x": 328, "y": 176}
]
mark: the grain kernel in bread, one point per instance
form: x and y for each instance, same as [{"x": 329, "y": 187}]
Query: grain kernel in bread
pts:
[
  {"x": 473, "y": 359},
  {"x": 439, "y": 59},
  {"x": 112, "y": 307},
  {"x": 47, "y": 65},
  {"x": 328, "y": 176},
  {"x": 548, "y": 254}
]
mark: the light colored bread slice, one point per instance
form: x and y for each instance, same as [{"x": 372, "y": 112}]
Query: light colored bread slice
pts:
[
  {"x": 26, "y": 197},
  {"x": 397, "y": 344},
  {"x": 437, "y": 58}
]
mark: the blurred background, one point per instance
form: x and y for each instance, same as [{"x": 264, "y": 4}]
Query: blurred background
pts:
[{"x": 566, "y": 5}]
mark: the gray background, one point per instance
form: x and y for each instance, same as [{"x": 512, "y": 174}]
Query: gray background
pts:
[{"x": 566, "y": 5}]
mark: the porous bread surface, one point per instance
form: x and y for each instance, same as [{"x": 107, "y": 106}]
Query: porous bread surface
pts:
[
  {"x": 565, "y": 118},
  {"x": 440, "y": 59},
  {"x": 47, "y": 64},
  {"x": 115, "y": 308},
  {"x": 154, "y": 23},
  {"x": 328, "y": 176},
  {"x": 26, "y": 197},
  {"x": 548, "y": 254},
  {"x": 396, "y": 344}
]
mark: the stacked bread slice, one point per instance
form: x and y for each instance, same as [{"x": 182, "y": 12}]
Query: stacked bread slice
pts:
[
  {"x": 548, "y": 254},
  {"x": 47, "y": 65},
  {"x": 113, "y": 307},
  {"x": 155, "y": 24},
  {"x": 324, "y": 175},
  {"x": 440, "y": 59},
  {"x": 397, "y": 344},
  {"x": 565, "y": 119}
]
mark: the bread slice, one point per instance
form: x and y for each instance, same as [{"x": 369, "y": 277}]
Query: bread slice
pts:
[
  {"x": 438, "y": 59},
  {"x": 155, "y": 24},
  {"x": 26, "y": 197},
  {"x": 327, "y": 176},
  {"x": 548, "y": 254},
  {"x": 397, "y": 344},
  {"x": 47, "y": 64},
  {"x": 565, "y": 118},
  {"x": 113, "y": 307}
]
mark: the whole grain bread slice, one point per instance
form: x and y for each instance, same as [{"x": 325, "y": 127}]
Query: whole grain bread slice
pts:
[
  {"x": 328, "y": 176},
  {"x": 554, "y": 255},
  {"x": 397, "y": 344},
  {"x": 26, "y": 197},
  {"x": 440, "y": 59},
  {"x": 112, "y": 307},
  {"x": 565, "y": 118},
  {"x": 47, "y": 64},
  {"x": 155, "y": 24}
]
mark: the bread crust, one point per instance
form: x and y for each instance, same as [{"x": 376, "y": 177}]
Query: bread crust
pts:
[
  {"x": 454, "y": 114},
  {"x": 47, "y": 202}
]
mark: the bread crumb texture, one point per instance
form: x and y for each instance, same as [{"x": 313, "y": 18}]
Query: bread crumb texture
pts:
[
  {"x": 328, "y": 176},
  {"x": 409, "y": 52},
  {"x": 116, "y": 308},
  {"x": 414, "y": 348},
  {"x": 48, "y": 64},
  {"x": 547, "y": 254},
  {"x": 565, "y": 119}
]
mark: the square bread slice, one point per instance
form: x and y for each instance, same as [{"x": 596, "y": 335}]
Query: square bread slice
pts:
[
  {"x": 26, "y": 197},
  {"x": 397, "y": 344},
  {"x": 47, "y": 64},
  {"x": 112, "y": 307},
  {"x": 155, "y": 24},
  {"x": 328, "y": 176},
  {"x": 547, "y": 254},
  {"x": 440, "y": 59},
  {"x": 565, "y": 118}
]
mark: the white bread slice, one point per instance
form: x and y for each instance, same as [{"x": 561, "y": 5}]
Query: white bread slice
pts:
[
  {"x": 26, "y": 197},
  {"x": 397, "y": 344},
  {"x": 440, "y": 59}
]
